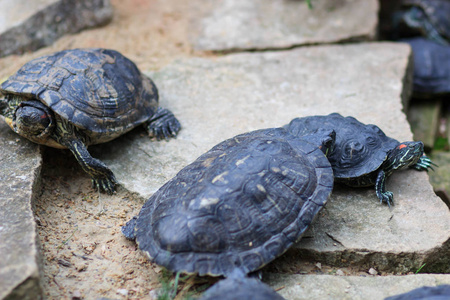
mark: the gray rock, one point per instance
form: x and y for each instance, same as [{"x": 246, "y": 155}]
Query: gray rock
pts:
[
  {"x": 325, "y": 287},
  {"x": 424, "y": 117},
  {"x": 440, "y": 178},
  {"x": 354, "y": 229},
  {"x": 30, "y": 25},
  {"x": 215, "y": 99},
  {"x": 19, "y": 252},
  {"x": 268, "y": 24}
]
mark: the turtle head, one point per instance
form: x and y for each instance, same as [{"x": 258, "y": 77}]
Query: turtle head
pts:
[
  {"x": 33, "y": 120},
  {"x": 404, "y": 155}
]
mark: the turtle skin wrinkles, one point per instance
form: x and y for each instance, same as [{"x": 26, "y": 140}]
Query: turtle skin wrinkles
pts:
[
  {"x": 240, "y": 205},
  {"x": 359, "y": 149},
  {"x": 100, "y": 91}
]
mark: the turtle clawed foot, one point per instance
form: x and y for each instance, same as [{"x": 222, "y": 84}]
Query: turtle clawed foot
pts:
[
  {"x": 163, "y": 125},
  {"x": 128, "y": 230},
  {"x": 424, "y": 164},
  {"x": 105, "y": 184},
  {"x": 387, "y": 197}
]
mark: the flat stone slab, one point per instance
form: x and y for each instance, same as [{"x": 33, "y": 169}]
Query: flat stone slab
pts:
[
  {"x": 19, "y": 252},
  {"x": 424, "y": 117},
  {"x": 440, "y": 178},
  {"x": 270, "y": 24},
  {"x": 296, "y": 287},
  {"x": 216, "y": 99},
  {"x": 29, "y": 25}
]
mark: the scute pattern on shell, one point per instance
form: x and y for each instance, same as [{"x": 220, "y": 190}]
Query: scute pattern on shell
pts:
[
  {"x": 240, "y": 205},
  {"x": 360, "y": 148},
  {"x": 98, "y": 90}
]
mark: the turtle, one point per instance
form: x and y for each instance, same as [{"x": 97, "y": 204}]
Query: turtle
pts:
[
  {"x": 240, "y": 287},
  {"x": 431, "y": 67},
  {"x": 440, "y": 292},
  {"x": 363, "y": 155},
  {"x": 75, "y": 98},
  {"x": 238, "y": 206},
  {"x": 427, "y": 18}
]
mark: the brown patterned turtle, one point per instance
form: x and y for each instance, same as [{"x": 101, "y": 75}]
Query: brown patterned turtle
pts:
[{"x": 76, "y": 98}]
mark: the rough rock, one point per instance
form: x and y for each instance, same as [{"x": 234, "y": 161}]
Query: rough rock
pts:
[
  {"x": 273, "y": 24},
  {"x": 19, "y": 252},
  {"x": 325, "y": 287},
  {"x": 424, "y": 117},
  {"x": 440, "y": 178},
  {"x": 355, "y": 230},
  {"x": 215, "y": 99},
  {"x": 30, "y": 25}
]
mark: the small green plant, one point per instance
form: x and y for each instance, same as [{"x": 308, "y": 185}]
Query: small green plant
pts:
[
  {"x": 418, "y": 270},
  {"x": 67, "y": 240},
  {"x": 441, "y": 144},
  {"x": 309, "y": 4},
  {"x": 169, "y": 286}
]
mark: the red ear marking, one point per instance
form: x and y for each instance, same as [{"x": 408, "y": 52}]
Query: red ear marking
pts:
[
  {"x": 43, "y": 116},
  {"x": 401, "y": 146}
]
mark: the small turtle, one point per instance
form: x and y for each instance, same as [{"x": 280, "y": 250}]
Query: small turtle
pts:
[
  {"x": 440, "y": 292},
  {"x": 238, "y": 206},
  {"x": 427, "y": 18},
  {"x": 431, "y": 67},
  {"x": 363, "y": 155},
  {"x": 76, "y": 98}
]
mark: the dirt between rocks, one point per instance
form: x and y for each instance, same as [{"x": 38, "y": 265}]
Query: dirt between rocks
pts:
[{"x": 85, "y": 254}]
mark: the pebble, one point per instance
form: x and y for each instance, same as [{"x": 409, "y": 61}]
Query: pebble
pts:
[
  {"x": 123, "y": 292},
  {"x": 372, "y": 271},
  {"x": 76, "y": 295}
]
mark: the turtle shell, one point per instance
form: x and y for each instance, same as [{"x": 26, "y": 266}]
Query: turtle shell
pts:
[
  {"x": 98, "y": 90},
  {"x": 431, "y": 67},
  {"x": 359, "y": 149},
  {"x": 238, "y": 206},
  {"x": 240, "y": 288},
  {"x": 439, "y": 292}
]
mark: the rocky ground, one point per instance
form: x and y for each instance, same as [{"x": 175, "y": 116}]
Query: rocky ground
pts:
[{"x": 356, "y": 244}]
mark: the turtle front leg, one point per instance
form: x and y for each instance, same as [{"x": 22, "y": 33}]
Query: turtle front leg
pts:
[
  {"x": 102, "y": 177},
  {"x": 380, "y": 188},
  {"x": 163, "y": 124},
  {"x": 424, "y": 164}
]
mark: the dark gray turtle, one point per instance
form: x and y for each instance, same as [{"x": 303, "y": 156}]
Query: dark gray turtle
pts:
[
  {"x": 238, "y": 206},
  {"x": 427, "y": 18},
  {"x": 440, "y": 292},
  {"x": 239, "y": 287},
  {"x": 363, "y": 155},
  {"x": 76, "y": 98},
  {"x": 431, "y": 67}
]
